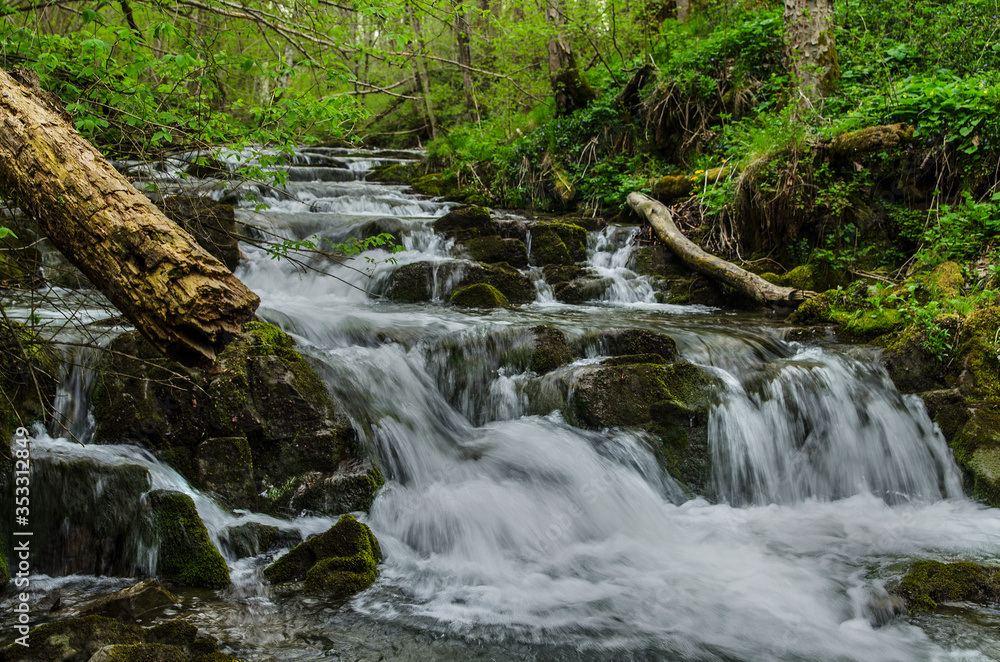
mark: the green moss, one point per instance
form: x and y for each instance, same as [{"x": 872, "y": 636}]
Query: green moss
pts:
[
  {"x": 4, "y": 567},
  {"x": 573, "y": 237},
  {"x": 945, "y": 280},
  {"x": 340, "y": 562},
  {"x": 801, "y": 278},
  {"x": 550, "y": 350},
  {"x": 514, "y": 285},
  {"x": 871, "y": 324},
  {"x": 624, "y": 395},
  {"x": 186, "y": 554},
  {"x": 547, "y": 247},
  {"x": 931, "y": 582},
  {"x": 480, "y": 295},
  {"x": 977, "y": 450},
  {"x": 141, "y": 653},
  {"x": 558, "y": 274},
  {"x": 820, "y": 309},
  {"x": 666, "y": 189},
  {"x": 74, "y": 638},
  {"x": 980, "y": 349},
  {"x": 870, "y": 140},
  {"x": 632, "y": 359},
  {"x": 175, "y": 632},
  {"x": 395, "y": 173}
]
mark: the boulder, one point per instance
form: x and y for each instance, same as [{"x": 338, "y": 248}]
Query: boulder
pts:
[
  {"x": 464, "y": 223},
  {"x": 494, "y": 248},
  {"x": 557, "y": 243},
  {"x": 351, "y": 489},
  {"x": 88, "y": 526},
  {"x": 185, "y": 554},
  {"x": 628, "y": 342},
  {"x": 254, "y": 538},
  {"x": 133, "y": 603},
  {"x": 339, "y": 563},
  {"x": 976, "y": 448},
  {"x": 550, "y": 350},
  {"x": 514, "y": 285},
  {"x": 480, "y": 295},
  {"x": 90, "y": 638},
  {"x": 261, "y": 391},
  {"x": 411, "y": 283},
  {"x": 931, "y": 582}
]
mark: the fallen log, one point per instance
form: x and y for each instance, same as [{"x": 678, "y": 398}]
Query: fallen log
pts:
[
  {"x": 741, "y": 280},
  {"x": 174, "y": 292}
]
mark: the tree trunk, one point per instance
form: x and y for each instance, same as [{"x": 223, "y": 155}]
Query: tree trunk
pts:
[
  {"x": 717, "y": 269},
  {"x": 571, "y": 89},
  {"x": 683, "y": 10},
  {"x": 420, "y": 69},
  {"x": 465, "y": 58},
  {"x": 810, "y": 47},
  {"x": 180, "y": 297}
]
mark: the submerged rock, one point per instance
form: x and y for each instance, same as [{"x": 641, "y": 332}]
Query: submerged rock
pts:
[
  {"x": 931, "y": 582},
  {"x": 248, "y": 431},
  {"x": 550, "y": 350},
  {"x": 132, "y": 603},
  {"x": 185, "y": 553},
  {"x": 103, "y": 639},
  {"x": 339, "y": 563},
  {"x": 254, "y": 538}
]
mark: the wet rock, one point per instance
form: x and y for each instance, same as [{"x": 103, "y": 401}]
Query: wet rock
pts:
[
  {"x": 411, "y": 283},
  {"x": 931, "y": 582},
  {"x": 493, "y": 248},
  {"x": 392, "y": 226},
  {"x": 632, "y": 359},
  {"x": 254, "y": 538},
  {"x": 550, "y": 350},
  {"x": 480, "y": 295},
  {"x": 581, "y": 290},
  {"x": 351, "y": 489},
  {"x": 557, "y": 243},
  {"x": 656, "y": 261},
  {"x": 211, "y": 223},
  {"x": 913, "y": 369},
  {"x": 628, "y": 342},
  {"x": 395, "y": 173},
  {"x": 555, "y": 274},
  {"x": 261, "y": 389},
  {"x": 339, "y": 563},
  {"x": 133, "y": 603},
  {"x": 224, "y": 466},
  {"x": 514, "y": 285},
  {"x": 634, "y": 394},
  {"x": 186, "y": 555},
  {"x": 140, "y": 653},
  {"x": 88, "y": 524},
  {"x": 977, "y": 450},
  {"x": 73, "y": 640},
  {"x": 465, "y": 223}
]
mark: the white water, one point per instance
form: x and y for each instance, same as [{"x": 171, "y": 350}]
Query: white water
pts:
[{"x": 550, "y": 542}]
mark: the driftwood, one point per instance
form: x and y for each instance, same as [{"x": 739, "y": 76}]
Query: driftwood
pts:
[
  {"x": 180, "y": 297},
  {"x": 750, "y": 284}
]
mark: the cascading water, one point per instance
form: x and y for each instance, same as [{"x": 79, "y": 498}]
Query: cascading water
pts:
[{"x": 510, "y": 534}]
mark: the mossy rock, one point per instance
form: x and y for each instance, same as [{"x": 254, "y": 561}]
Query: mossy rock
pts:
[
  {"x": 73, "y": 640},
  {"x": 912, "y": 368},
  {"x": 573, "y": 236},
  {"x": 340, "y": 562},
  {"x": 581, "y": 290},
  {"x": 253, "y": 538},
  {"x": 395, "y": 173},
  {"x": 480, "y": 295},
  {"x": 821, "y": 309},
  {"x": 625, "y": 395},
  {"x": 186, "y": 555},
  {"x": 980, "y": 354},
  {"x": 548, "y": 248},
  {"x": 442, "y": 185},
  {"x": 626, "y": 342},
  {"x": 465, "y": 223},
  {"x": 550, "y": 350},
  {"x": 140, "y": 653},
  {"x": 948, "y": 409},
  {"x": 555, "y": 274},
  {"x": 388, "y": 225},
  {"x": 411, "y": 283},
  {"x": 133, "y": 603},
  {"x": 977, "y": 450},
  {"x": 931, "y": 582},
  {"x": 632, "y": 359},
  {"x": 493, "y": 248},
  {"x": 514, "y": 285},
  {"x": 4, "y": 565},
  {"x": 656, "y": 261},
  {"x": 262, "y": 390},
  {"x": 352, "y": 488}
]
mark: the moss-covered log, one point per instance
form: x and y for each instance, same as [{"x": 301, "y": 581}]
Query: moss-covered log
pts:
[
  {"x": 155, "y": 273},
  {"x": 750, "y": 284}
]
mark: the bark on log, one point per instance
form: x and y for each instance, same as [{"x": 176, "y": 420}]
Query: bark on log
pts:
[
  {"x": 716, "y": 268},
  {"x": 179, "y": 296}
]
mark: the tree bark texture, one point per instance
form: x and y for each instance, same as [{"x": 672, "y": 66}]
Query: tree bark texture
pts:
[
  {"x": 465, "y": 57},
  {"x": 571, "y": 89},
  {"x": 748, "y": 283},
  {"x": 174, "y": 292},
  {"x": 810, "y": 47}
]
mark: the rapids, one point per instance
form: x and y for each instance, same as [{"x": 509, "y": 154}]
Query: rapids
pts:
[{"x": 511, "y": 536}]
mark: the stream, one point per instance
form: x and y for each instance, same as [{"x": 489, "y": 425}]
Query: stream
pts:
[{"x": 510, "y": 535}]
